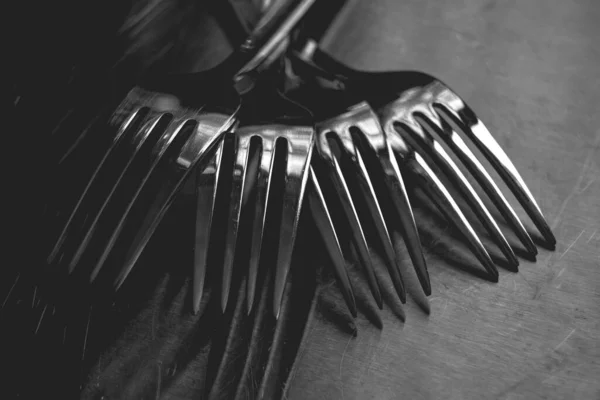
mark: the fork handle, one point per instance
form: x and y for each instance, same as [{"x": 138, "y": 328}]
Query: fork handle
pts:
[
  {"x": 273, "y": 29},
  {"x": 265, "y": 39}
]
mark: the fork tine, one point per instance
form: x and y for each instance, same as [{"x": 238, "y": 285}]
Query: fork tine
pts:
[
  {"x": 126, "y": 117},
  {"x": 199, "y": 149},
  {"x": 233, "y": 221},
  {"x": 437, "y": 192},
  {"x": 444, "y": 201},
  {"x": 146, "y": 132},
  {"x": 170, "y": 140},
  {"x": 297, "y": 168},
  {"x": 381, "y": 228},
  {"x": 350, "y": 129},
  {"x": 465, "y": 119},
  {"x": 439, "y": 157},
  {"x": 207, "y": 183},
  {"x": 477, "y": 170},
  {"x": 375, "y": 139},
  {"x": 397, "y": 190},
  {"x": 322, "y": 219},
  {"x": 357, "y": 234},
  {"x": 263, "y": 185}
]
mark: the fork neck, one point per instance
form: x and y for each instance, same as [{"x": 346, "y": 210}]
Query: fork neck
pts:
[
  {"x": 264, "y": 103},
  {"x": 324, "y": 92}
]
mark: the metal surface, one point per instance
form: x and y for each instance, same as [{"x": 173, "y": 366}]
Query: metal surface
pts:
[
  {"x": 362, "y": 119},
  {"x": 299, "y": 142},
  {"x": 270, "y": 118},
  {"x": 531, "y": 68}
]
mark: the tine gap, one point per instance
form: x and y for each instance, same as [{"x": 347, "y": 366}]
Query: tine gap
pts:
[
  {"x": 205, "y": 193},
  {"x": 487, "y": 177},
  {"x": 274, "y": 216},
  {"x": 147, "y": 166},
  {"x": 374, "y": 218},
  {"x": 122, "y": 189},
  {"x": 352, "y": 213},
  {"x": 446, "y": 166},
  {"x": 255, "y": 205}
]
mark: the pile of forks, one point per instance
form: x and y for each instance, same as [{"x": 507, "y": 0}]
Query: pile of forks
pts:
[{"x": 246, "y": 130}]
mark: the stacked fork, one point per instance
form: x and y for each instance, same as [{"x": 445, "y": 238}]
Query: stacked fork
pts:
[{"x": 377, "y": 129}]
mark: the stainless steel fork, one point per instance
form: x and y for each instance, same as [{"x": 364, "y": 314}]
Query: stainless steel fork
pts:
[
  {"x": 425, "y": 107},
  {"x": 267, "y": 119},
  {"x": 412, "y": 108},
  {"x": 269, "y": 123}
]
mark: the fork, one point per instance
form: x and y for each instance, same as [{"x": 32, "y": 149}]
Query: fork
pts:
[
  {"x": 151, "y": 126},
  {"x": 424, "y": 106},
  {"x": 416, "y": 150}
]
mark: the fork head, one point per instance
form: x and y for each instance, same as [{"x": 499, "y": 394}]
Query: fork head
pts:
[
  {"x": 270, "y": 127},
  {"x": 422, "y": 104},
  {"x": 413, "y": 108},
  {"x": 434, "y": 107},
  {"x": 352, "y": 148},
  {"x": 150, "y": 129},
  {"x": 163, "y": 129}
]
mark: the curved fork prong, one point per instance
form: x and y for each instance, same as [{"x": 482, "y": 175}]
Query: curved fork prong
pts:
[
  {"x": 397, "y": 190},
  {"x": 197, "y": 153},
  {"x": 356, "y": 230},
  {"x": 467, "y": 122},
  {"x": 263, "y": 186},
  {"x": 380, "y": 225},
  {"x": 140, "y": 139},
  {"x": 323, "y": 221},
  {"x": 297, "y": 168},
  {"x": 434, "y": 188},
  {"x": 171, "y": 139},
  {"x": 233, "y": 221},
  {"x": 123, "y": 128},
  {"x": 478, "y": 171},
  {"x": 446, "y": 165},
  {"x": 206, "y": 191}
]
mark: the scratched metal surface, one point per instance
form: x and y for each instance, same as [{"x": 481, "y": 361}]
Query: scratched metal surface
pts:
[{"x": 531, "y": 69}]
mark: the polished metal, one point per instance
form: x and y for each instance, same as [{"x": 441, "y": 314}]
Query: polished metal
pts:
[
  {"x": 360, "y": 120},
  {"x": 422, "y": 104},
  {"x": 357, "y": 122},
  {"x": 299, "y": 140},
  {"x": 274, "y": 119}
]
